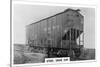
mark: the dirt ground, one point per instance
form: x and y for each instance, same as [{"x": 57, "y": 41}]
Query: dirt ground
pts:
[{"x": 22, "y": 56}]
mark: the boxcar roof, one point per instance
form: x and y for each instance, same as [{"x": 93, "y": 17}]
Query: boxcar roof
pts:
[{"x": 55, "y": 15}]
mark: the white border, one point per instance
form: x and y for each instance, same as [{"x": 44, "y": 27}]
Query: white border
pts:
[{"x": 51, "y": 4}]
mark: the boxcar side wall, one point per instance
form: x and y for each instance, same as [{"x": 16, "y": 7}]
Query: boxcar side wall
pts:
[{"x": 50, "y": 31}]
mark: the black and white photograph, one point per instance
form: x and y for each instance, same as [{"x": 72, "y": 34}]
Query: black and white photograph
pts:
[{"x": 51, "y": 33}]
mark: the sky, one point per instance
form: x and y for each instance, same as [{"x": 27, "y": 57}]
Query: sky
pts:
[{"x": 25, "y": 14}]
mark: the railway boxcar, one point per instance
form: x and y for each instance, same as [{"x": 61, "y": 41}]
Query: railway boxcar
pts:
[{"x": 56, "y": 35}]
